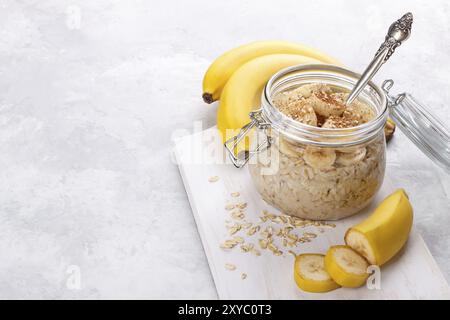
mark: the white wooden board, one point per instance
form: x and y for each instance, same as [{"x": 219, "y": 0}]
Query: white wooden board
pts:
[{"x": 412, "y": 275}]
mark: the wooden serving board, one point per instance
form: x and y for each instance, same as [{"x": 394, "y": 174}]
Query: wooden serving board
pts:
[{"x": 413, "y": 274}]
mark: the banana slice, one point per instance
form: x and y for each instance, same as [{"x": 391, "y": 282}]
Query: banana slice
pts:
[
  {"x": 319, "y": 158},
  {"x": 359, "y": 112},
  {"x": 290, "y": 149},
  {"x": 349, "y": 158},
  {"x": 327, "y": 103},
  {"x": 305, "y": 91},
  {"x": 346, "y": 267},
  {"x": 310, "y": 274}
]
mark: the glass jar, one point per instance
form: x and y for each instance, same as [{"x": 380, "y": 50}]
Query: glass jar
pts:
[
  {"x": 313, "y": 172},
  {"x": 328, "y": 173}
]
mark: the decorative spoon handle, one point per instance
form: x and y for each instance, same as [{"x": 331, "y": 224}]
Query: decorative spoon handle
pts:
[{"x": 398, "y": 32}]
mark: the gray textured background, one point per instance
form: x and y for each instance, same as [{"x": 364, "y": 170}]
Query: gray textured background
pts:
[{"x": 90, "y": 94}]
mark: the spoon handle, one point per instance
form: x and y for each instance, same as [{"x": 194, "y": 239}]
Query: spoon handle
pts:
[{"x": 398, "y": 32}]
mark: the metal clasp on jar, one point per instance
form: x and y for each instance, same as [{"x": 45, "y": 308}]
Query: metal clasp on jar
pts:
[
  {"x": 240, "y": 158},
  {"x": 392, "y": 102}
]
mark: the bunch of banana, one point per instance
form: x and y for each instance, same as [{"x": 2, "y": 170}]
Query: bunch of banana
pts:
[
  {"x": 238, "y": 77},
  {"x": 224, "y": 66},
  {"x": 374, "y": 241}
]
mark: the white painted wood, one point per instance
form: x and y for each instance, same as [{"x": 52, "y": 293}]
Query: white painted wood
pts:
[{"x": 412, "y": 275}]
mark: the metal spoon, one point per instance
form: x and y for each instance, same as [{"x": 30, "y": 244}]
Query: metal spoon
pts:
[{"x": 398, "y": 32}]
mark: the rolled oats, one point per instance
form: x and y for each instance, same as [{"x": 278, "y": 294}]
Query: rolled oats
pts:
[
  {"x": 247, "y": 247},
  {"x": 242, "y": 205},
  {"x": 253, "y": 230},
  {"x": 229, "y": 206},
  {"x": 213, "y": 179},
  {"x": 230, "y": 266},
  {"x": 320, "y": 183}
]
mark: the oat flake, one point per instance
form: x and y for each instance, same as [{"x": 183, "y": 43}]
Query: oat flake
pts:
[
  {"x": 213, "y": 179},
  {"x": 230, "y": 266}
]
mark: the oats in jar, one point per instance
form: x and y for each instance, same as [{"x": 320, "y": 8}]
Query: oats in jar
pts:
[{"x": 317, "y": 179}]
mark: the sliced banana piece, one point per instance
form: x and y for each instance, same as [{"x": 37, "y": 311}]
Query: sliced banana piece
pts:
[
  {"x": 310, "y": 274},
  {"x": 346, "y": 267},
  {"x": 360, "y": 244},
  {"x": 349, "y": 158},
  {"x": 319, "y": 158},
  {"x": 307, "y": 116},
  {"x": 359, "y": 112},
  {"x": 326, "y": 102},
  {"x": 305, "y": 91},
  {"x": 290, "y": 149}
]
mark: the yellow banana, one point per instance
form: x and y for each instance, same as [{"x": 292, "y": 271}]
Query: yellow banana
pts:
[
  {"x": 224, "y": 66},
  {"x": 310, "y": 274},
  {"x": 384, "y": 233},
  {"x": 242, "y": 92},
  {"x": 346, "y": 267}
]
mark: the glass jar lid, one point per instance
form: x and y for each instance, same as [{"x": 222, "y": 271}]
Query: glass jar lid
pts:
[{"x": 428, "y": 133}]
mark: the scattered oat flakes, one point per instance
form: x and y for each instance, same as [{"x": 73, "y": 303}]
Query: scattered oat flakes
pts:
[
  {"x": 247, "y": 247},
  {"x": 242, "y": 205},
  {"x": 238, "y": 239},
  {"x": 293, "y": 253},
  {"x": 229, "y": 207},
  {"x": 272, "y": 247},
  {"x": 230, "y": 266},
  {"x": 238, "y": 215},
  {"x": 213, "y": 179},
  {"x": 256, "y": 252},
  {"x": 310, "y": 235},
  {"x": 232, "y": 230},
  {"x": 235, "y": 194},
  {"x": 247, "y": 225},
  {"x": 293, "y": 237},
  {"x": 230, "y": 244},
  {"x": 263, "y": 243},
  {"x": 253, "y": 230},
  {"x": 243, "y": 276},
  {"x": 292, "y": 243}
]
